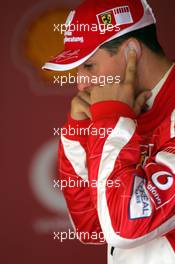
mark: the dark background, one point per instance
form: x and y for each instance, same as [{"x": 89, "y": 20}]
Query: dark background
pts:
[{"x": 31, "y": 208}]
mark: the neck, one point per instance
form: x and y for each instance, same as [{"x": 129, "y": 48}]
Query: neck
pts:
[{"x": 151, "y": 69}]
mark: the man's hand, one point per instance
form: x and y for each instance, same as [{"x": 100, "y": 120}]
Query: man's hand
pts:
[
  {"x": 124, "y": 92},
  {"x": 80, "y": 106}
]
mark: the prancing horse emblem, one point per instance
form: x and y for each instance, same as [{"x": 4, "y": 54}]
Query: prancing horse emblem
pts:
[{"x": 106, "y": 18}]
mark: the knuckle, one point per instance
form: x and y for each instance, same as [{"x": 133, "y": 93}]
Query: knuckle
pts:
[
  {"x": 132, "y": 69},
  {"x": 75, "y": 100}
]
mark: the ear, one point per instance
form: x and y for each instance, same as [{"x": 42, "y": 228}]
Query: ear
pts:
[{"x": 132, "y": 43}]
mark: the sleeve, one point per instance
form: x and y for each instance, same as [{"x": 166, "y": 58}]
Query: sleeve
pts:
[
  {"x": 135, "y": 203},
  {"x": 73, "y": 177}
]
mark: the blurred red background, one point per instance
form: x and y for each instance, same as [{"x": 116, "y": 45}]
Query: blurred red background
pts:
[{"x": 32, "y": 209}]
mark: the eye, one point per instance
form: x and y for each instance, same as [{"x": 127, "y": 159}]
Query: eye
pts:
[{"x": 88, "y": 65}]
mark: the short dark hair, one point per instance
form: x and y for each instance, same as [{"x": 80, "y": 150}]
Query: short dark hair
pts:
[{"x": 146, "y": 35}]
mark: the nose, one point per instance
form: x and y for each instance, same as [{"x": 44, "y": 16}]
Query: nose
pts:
[{"x": 83, "y": 81}]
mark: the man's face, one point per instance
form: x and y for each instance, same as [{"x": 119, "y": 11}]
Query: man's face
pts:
[{"x": 102, "y": 63}]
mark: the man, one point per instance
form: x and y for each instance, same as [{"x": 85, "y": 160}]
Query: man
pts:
[{"x": 133, "y": 165}]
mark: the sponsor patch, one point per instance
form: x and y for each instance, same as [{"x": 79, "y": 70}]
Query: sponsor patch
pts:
[
  {"x": 115, "y": 17},
  {"x": 163, "y": 180},
  {"x": 123, "y": 15},
  {"x": 140, "y": 205},
  {"x": 106, "y": 19},
  {"x": 161, "y": 188},
  {"x": 74, "y": 39}
]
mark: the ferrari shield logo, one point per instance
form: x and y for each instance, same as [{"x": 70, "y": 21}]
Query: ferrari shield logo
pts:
[{"x": 106, "y": 18}]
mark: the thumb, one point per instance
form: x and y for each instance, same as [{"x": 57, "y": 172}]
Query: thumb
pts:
[
  {"x": 86, "y": 109},
  {"x": 140, "y": 101}
]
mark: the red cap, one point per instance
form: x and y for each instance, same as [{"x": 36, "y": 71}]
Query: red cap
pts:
[{"x": 95, "y": 22}]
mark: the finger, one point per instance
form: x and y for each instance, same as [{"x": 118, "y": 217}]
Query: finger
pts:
[
  {"x": 140, "y": 101},
  {"x": 87, "y": 112},
  {"x": 85, "y": 109},
  {"x": 130, "y": 74},
  {"x": 84, "y": 96}
]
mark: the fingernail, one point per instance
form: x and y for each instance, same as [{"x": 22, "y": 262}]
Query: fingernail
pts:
[{"x": 132, "y": 47}]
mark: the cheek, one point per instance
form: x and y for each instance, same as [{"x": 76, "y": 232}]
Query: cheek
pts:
[
  {"x": 113, "y": 67},
  {"x": 113, "y": 71},
  {"x": 121, "y": 73}
]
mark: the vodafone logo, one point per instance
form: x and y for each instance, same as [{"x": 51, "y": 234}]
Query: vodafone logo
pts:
[{"x": 163, "y": 180}]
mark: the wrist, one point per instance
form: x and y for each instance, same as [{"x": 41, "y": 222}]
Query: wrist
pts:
[{"x": 76, "y": 129}]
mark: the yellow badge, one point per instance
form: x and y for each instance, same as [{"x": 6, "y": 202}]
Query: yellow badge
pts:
[{"x": 106, "y": 18}]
